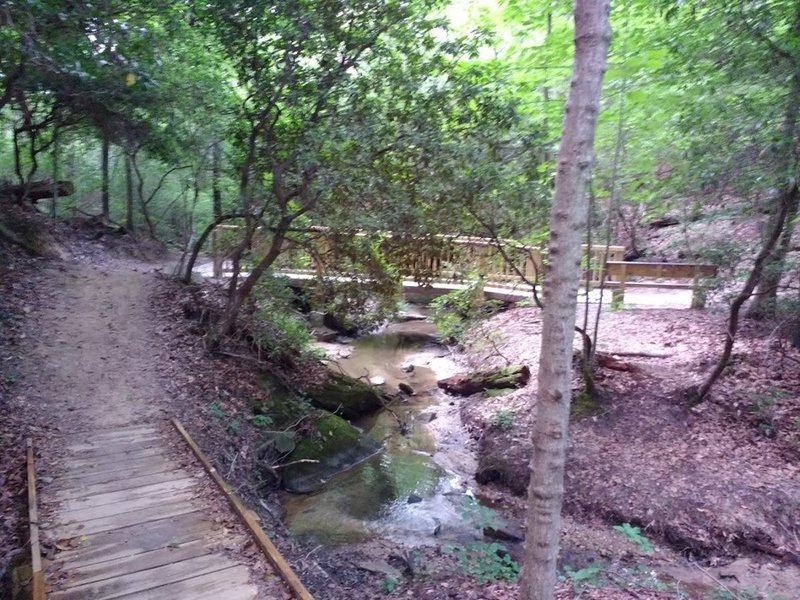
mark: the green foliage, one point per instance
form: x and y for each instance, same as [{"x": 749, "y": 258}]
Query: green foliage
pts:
[
  {"x": 457, "y": 311},
  {"x": 389, "y": 585},
  {"x": 479, "y": 516},
  {"x": 764, "y": 409},
  {"x": 503, "y": 419},
  {"x": 282, "y": 331},
  {"x": 635, "y": 535},
  {"x": 262, "y": 421},
  {"x": 584, "y": 578},
  {"x": 485, "y": 562}
]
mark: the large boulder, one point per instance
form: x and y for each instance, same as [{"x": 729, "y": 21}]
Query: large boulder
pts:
[
  {"x": 347, "y": 396},
  {"x": 330, "y": 446},
  {"x": 514, "y": 376}
]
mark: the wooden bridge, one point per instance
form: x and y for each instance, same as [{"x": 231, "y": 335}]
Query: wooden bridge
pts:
[
  {"x": 508, "y": 269},
  {"x": 131, "y": 515}
]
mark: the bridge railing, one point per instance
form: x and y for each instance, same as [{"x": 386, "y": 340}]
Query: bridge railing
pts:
[{"x": 501, "y": 263}]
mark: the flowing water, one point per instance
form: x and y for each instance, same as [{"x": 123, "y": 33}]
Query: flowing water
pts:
[{"x": 413, "y": 490}]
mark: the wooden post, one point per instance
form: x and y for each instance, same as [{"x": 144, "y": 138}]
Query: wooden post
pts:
[
  {"x": 618, "y": 294},
  {"x": 698, "y": 293},
  {"x": 33, "y": 519}
]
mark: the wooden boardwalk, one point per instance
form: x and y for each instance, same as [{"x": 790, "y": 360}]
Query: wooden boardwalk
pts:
[{"x": 128, "y": 520}]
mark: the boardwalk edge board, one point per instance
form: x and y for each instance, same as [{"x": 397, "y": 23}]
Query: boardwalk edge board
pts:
[
  {"x": 250, "y": 520},
  {"x": 37, "y": 581}
]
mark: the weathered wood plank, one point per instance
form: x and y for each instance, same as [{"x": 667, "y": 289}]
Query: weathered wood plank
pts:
[
  {"x": 145, "y": 515},
  {"x": 129, "y": 483},
  {"x": 662, "y": 270},
  {"x": 113, "y": 460},
  {"x": 145, "y": 580},
  {"x": 96, "y": 435},
  {"x": 137, "y": 538},
  {"x": 37, "y": 575},
  {"x": 77, "y": 576},
  {"x": 228, "y": 584},
  {"x": 91, "y": 513},
  {"x": 146, "y": 491},
  {"x": 90, "y": 449},
  {"x": 110, "y": 473}
]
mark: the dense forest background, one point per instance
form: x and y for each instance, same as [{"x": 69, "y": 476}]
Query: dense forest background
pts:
[{"x": 386, "y": 115}]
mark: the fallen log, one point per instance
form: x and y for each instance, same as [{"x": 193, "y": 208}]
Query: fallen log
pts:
[
  {"x": 36, "y": 190},
  {"x": 514, "y": 376}
]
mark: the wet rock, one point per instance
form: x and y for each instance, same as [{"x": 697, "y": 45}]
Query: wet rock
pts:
[
  {"x": 381, "y": 567},
  {"x": 506, "y": 532},
  {"x": 407, "y": 368},
  {"x": 514, "y": 376},
  {"x": 414, "y": 499},
  {"x": 347, "y": 396},
  {"x": 324, "y": 334},
  {"x": 330, "y": 446},
  {"x": 377, "y": 380},
  {"x": 405, "y": 388}
]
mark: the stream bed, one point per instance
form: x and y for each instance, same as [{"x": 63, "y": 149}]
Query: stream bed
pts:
[{"x": 414, "y": 489}]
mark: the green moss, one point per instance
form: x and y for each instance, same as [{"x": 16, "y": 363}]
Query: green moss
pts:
[
  {"x": 583, "y": 405},
  {"x": 333, "y": 434},
  {"x": 347, "y": 396}
]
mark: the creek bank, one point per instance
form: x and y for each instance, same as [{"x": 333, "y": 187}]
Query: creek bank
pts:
[{"x": 702, "y": 483}]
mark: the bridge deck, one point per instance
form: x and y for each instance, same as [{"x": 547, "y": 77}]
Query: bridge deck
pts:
[{"x": 131, "y": 518}]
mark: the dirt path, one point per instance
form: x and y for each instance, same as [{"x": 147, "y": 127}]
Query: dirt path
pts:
[
  {"x": 126, "y": 509},
  {"x": 94, "y": 360}
]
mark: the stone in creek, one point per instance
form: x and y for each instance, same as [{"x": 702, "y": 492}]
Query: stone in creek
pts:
[
  {"x": 377, "y": 380},
  {"x": 414, "y": 499},
  {"x": 405, "y": 388},
  {"x": 407, "y": 368},
  {"x": 513, "y": 376}
]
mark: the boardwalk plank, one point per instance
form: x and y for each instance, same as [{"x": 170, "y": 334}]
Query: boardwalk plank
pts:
[
  {"x": 153, "y": 513},
  {"x": 228, "y": 584},
  {"x": 127, "y": 483},
  {"x": 113, "y": 460},
  {"x": 138, "y": 562},
  {"x": 89, "y": 450},
  {"x": 92, "y": 513},
  {"x": 111, "y": 471},
  {"x": 136, "y": 539},
  {"x": 145, "y": 580},
  {"x": 156, "y": 489}
]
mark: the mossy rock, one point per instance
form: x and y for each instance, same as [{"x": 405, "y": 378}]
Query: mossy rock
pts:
[
  {"x": 334, "y": 444},
  {"x": 347, "y": 396}
]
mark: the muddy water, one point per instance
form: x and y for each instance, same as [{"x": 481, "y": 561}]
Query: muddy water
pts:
[{"x": 412, "y": 491}]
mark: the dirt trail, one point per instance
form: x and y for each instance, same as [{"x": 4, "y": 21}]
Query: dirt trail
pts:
[{"x": 93, "y": 362}]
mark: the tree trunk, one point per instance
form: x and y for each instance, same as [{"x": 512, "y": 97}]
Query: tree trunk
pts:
[
  {"x": 765, "y": 300},
  {"x": 788, "y": 199},
  {"x": 240, "y": 294},
  {"x": 128, "y": 193},
  {"x": 55, "y": 173},
  {"x": 104, "y": 152},
  {"x": 216, "y": 201},
  {"x": 568, "y": 220}
]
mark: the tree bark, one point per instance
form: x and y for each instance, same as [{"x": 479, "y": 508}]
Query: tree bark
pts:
[
  {"x": 128, "y": 193},
  {"x": 216, "y": 202},
  {"x": 568, "y": 220},
  {"x": 104, "y": 198}
]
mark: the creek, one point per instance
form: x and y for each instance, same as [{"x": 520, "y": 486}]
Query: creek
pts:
[{"x": 414, "y": 489}]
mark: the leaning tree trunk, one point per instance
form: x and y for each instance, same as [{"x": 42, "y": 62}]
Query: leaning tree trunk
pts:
[
  {"x": 765, "y": 299},
  {"x": 568, "y": 220},
  {"x": 129, "y": 225},
  {"x": 104, "y": 196}
]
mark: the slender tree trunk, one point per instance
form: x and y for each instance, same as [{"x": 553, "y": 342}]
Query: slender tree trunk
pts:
[
  {"x": 129, "y": 225},
  {"x": 216, "y": 202},
  {"x": 568, "y": 220},
  {"x": 788, "y": 199},
  {"x": 766, "y": 294},
  {"x": 104, "y": 197},
  {"x": 55, "y": 173}
]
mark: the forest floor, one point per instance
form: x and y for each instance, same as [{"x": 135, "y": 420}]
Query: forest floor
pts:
[{"x": 715, "y": 488}]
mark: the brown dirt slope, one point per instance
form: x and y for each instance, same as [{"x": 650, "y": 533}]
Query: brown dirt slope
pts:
[{"x": 719, "y": 478}]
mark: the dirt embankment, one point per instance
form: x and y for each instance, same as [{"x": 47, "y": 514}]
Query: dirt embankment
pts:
[{"x": 711, "y": 481}]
